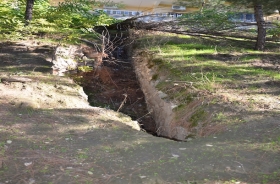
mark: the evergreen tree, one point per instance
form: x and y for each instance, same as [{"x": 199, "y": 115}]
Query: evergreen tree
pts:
[
  {"x": 260, "y": 6},
  {"x": 29, "y": 11}
]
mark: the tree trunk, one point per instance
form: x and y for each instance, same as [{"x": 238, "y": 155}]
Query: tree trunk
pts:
[
  {"x": 261, "y": 27},
  {"x": 202, "y": 5},
  {"x": 28, "y": 11}
]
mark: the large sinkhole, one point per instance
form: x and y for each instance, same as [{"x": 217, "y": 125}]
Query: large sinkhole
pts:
[{"x": 114, "y": 85}]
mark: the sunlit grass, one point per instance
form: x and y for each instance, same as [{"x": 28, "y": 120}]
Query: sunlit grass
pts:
[
  {"x": 195, "y": 65},
  {"x": 195, "y": 57}
]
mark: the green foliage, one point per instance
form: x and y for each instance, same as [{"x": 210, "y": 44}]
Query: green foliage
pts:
[
  {"x": 71, "y": 19},
  {"x": 10, "y": 17},
  {"x": 78, "y": 14},
  {"x": 210, "y": 19},
  {"x": 85, "y": 68},
  {"x": 275, "y": 30},
  {"x": 269, "y": 6},
  {"x": 198, "y": 116}
]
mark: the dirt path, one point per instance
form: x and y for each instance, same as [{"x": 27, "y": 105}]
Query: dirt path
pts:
[{"x": 49, "y": 134}]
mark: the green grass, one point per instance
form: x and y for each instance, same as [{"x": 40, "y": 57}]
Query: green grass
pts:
[
  {"x": 202, "y": 61},
  {"x": 188, "y": 68},
  {"x": 199, "y": 115}
]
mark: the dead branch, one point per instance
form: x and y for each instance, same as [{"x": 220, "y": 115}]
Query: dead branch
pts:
[{"x": 123, "y": 102}]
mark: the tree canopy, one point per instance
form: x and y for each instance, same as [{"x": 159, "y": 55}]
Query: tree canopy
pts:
[
  {"x": 215, "y": 16},
  {"x": 260, "y": 6},
  {"x": 269, "y": 6},
  {"x": 70, "y": 19}
]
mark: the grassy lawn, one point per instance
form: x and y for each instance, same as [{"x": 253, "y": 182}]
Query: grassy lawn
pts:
[{"x": 215, "y": 70}]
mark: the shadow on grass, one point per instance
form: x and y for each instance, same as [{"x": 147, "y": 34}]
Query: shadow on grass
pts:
[
  {"x": 203, "y": 41},
  {"x": 224, "y": 67},
  {"x": 15, "y": 58}
]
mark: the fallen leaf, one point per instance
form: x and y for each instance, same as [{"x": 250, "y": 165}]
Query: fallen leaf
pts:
[
  {"x": 175, "y": 156},
  {"x": 27, "y": 164},
  {"x": 90, "y": 173}
]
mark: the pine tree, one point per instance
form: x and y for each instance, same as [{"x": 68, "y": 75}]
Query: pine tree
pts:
[
  {"x": 29, "y": 11},
  {"x": 260, "y": 6}
]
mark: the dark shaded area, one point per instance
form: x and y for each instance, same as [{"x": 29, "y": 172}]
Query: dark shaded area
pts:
[
  {"x": 115, "y": 85},
  {"x": 24, "y": 59}
]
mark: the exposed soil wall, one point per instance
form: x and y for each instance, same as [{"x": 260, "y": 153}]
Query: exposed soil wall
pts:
[
  {"x": 115, "y": 86},
  {"x": 161, "y": 109}
]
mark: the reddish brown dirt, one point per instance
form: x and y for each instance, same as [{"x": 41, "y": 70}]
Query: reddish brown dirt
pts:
[{"x": 115, "y": 86}]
